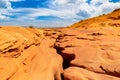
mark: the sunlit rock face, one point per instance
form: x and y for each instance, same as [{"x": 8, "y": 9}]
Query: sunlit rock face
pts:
[
  {"x": 26, "y": 55},
  {"x": 86, "y": 50},
  {"x": 92, "y": 48}
]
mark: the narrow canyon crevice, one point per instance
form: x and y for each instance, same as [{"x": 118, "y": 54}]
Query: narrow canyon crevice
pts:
[{"x": 67, "y": 58}]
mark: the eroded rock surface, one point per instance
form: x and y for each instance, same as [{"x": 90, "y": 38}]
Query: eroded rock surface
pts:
[
  {"x": 87, "y": 50},
  {"x": 25, "y": 54},
  {"x": 76, "y": 54},
  {"x": 90, "y": 53}
]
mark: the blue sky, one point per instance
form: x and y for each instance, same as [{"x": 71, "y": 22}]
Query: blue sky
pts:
[{"x": 52, "y": 13}]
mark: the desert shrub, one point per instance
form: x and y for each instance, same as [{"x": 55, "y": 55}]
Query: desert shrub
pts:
[
  {"x": 97, "y": 34},
  {"x": 102, "y": 24},
  {"x": 103, "y": 14},
  {"x": 31, "y": 27}
]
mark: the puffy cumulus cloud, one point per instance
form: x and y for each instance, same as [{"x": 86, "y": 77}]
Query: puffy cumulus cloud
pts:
[
  {"x": 82, "y": 9},
  {"x": 73, "y": 10},
  {"x": 99, "y": 7},
  {"x": 68, "y": 10},
  {"x": 5, "y": 4},
  {"x": 5, "y": 7}
]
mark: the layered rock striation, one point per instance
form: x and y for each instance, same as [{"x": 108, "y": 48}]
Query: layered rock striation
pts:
[
  {"x": 26, "y": 55},
  {"x": 86, "y": 50}
]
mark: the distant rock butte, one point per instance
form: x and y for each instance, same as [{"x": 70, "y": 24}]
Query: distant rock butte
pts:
[{"x": 86, "y": 50}]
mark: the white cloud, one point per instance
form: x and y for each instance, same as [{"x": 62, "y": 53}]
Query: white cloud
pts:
[
  {"x": 60, "y": 2},
  {"x": 2, "y": 17},
  {"x": 63, "y": 13},
  {"x": 68, "y": 10},
  {"x": 97, "y": 2},
  {"x": 5, "y": 4},
  {"x": 34, "y": 13},
  {"x": 81, "y": 9},
  {"x": 16, "y": 0},
  {"x": 5, "y": 7}
]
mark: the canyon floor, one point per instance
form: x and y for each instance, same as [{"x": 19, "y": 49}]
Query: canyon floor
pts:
[{"x": 86, "y": 50}]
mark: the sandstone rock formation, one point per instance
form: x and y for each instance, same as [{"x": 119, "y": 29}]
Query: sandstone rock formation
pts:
[
  {"x": 26, "y": 55},
  {"x": 86, "y": 50},
  {"x": 90, "y": 55}
]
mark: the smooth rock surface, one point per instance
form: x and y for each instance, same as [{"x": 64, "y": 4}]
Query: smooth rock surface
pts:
[{"x": 25, "y": 54}]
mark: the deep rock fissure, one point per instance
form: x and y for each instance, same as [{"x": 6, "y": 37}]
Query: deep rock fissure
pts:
[{"x": 67, "y": 58}]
